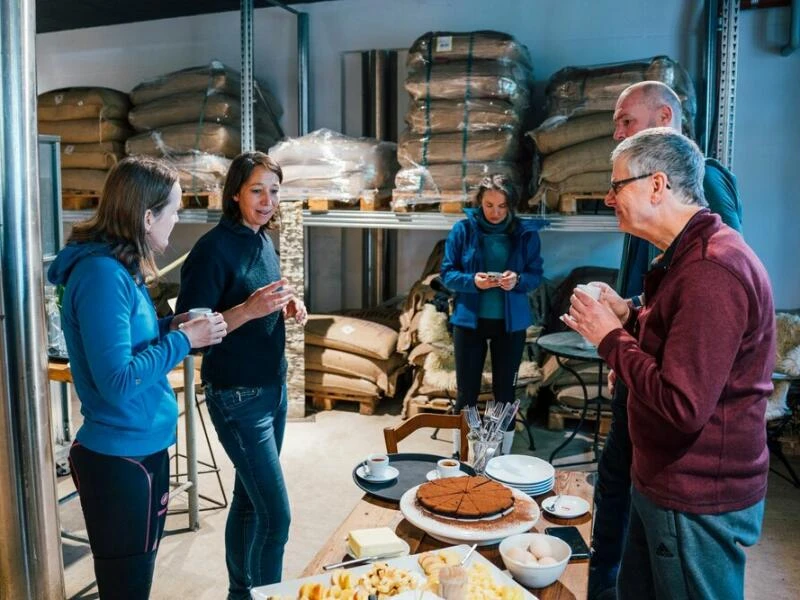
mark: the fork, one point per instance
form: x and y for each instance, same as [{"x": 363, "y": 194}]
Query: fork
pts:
[{"x": 473, "y": 418}]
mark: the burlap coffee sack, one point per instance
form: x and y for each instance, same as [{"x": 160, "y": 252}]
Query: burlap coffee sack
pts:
[
  {"x": 443, "y": 116},
  {"x": 462, "y": 80},
  {"x": 197, "y": 107},
  {"x": 87, "y": 131},
  {"x": 320, "y": 382},
  {"x": 446, "y": 46},
  {"x": 351, "y": 335},
  {"x": 101, "y": 156},
  {"x": 594, "y": 155},
  {"x": 482, "y": 146},
  {"x": 69, "y": 104},
  {"x": 83, "y": 181},
  {"x": 330, "y": 360},
  {"x": 560, "y": 132},
  {"x": 582, "y": 183}
]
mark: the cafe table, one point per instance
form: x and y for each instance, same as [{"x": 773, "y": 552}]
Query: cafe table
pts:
[{"x": 374, "y": 512}]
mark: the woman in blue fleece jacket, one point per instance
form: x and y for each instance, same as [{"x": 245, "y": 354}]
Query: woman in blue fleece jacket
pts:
[
  {"x": 491, "y": 261},
  {"x": 120, "y": 354}
]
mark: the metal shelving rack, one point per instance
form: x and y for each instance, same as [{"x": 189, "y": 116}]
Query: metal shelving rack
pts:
[{"x": 431, "y": 221}]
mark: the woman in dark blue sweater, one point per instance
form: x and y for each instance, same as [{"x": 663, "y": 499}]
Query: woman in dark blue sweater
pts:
[
  {"x": 234, "y": 269},
  {"x": 491, "y": 261}
]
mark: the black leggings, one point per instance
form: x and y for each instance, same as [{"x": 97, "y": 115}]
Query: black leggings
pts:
[
  {"x": 124, "y": 502},
  {"x": 470, "y": 349}
]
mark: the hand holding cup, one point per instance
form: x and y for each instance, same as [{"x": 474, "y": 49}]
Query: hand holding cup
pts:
[
  {"x": 589, "y": 317},
  {"x": 205, "y": 330}
]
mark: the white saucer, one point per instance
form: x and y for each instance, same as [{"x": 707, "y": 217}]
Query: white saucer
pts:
[
  {"x": 568, "y": 506},
  {"x": 404, "y": 552},
  {"x": 391, "y": 473},
  {"x": 434, "y": 474}
]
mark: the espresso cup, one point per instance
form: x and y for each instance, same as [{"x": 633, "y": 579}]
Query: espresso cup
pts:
[
  {"x": 377, "y": 465},
  {"x": 448, "y": 467},
  {"x": 196, "y": 313}
]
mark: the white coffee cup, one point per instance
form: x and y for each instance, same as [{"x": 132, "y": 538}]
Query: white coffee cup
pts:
[
  {"x": 591, "y": 290},
  {"x": 594, "y": 292},
  {"x": 196, "y": 313},
  {"x": 448, "y": 467},
  {"x": 377, "y": 465}
]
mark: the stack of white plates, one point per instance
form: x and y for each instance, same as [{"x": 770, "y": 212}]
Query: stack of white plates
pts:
[{"x": 529, "y": 474}]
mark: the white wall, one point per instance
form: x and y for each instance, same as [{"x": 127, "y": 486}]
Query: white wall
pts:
[{"x": 557, "y": 32}]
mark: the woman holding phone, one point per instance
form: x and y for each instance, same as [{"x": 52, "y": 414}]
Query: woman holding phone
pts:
[
  {"x": 491, "y": 261},
  {"x": 234, "y": 269}
]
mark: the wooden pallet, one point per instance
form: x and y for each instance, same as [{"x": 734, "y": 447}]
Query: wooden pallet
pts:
[
  {"x": 560, "y": 416},
  {"x": 328, "y": 400},
  {"x": 416, "y": 407},
  {"x": 79, "y": 201},
  {"x": 403, "y": 202},
  {"x": 568, "y": 202},
  {"x": 368, "y": 200},
  {"x": 202, "y": 200}
]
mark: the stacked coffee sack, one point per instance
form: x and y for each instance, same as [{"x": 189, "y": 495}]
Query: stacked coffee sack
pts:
[
  {"x": 92, "y": 123},
  {"x": 192, "y": 118},
  {"x": 469, "y": 101},
  {"x": 352, "y": 356},
  {"x": 575, "y": 142},
  {"x": 328, "y": 164}
]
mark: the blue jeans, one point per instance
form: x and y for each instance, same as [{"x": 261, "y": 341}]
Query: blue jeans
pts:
[
  {"x": 250, "y": 423},
  {"x": 673, "y": 555}
]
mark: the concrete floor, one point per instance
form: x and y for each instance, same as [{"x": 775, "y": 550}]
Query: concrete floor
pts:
[{"x": 318, "y": 457}]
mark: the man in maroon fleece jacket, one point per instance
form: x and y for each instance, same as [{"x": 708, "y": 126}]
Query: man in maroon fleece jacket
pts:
[{"x": 697, "y": 359}]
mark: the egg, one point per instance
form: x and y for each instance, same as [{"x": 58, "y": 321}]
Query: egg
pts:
[
  {"x": 519, "y": 555},
  {"x": 540, "y": 548},
  {"x": 547, "y": 560}
]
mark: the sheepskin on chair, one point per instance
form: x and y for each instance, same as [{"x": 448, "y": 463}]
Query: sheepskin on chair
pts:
[
  {"x": 788, "y": 362},
  {"x": 440, "y": 365}
]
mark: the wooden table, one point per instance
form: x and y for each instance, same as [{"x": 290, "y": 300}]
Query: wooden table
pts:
[{"x": 372, "y": 512}]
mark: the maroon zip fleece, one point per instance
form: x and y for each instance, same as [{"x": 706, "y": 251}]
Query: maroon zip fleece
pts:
[{"x": 698, "y": 362}]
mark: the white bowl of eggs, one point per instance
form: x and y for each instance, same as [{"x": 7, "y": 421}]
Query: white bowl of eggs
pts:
[{"x": 535, "y": 559}]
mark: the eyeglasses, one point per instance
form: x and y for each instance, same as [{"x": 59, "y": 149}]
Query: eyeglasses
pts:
[{"x": 616, "y": 186}]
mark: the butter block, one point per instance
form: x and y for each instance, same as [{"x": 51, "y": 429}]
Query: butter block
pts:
[{"x": 374, "y": 542}]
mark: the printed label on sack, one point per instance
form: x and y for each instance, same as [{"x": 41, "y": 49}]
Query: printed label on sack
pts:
[{"x": 444, "y": 43}]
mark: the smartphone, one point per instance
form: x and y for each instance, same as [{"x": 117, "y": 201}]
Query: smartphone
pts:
[
  {"x": 573, "y": 537},
  {"x": 494, "y": 275}
]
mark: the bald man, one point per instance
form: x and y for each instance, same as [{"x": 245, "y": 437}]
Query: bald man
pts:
[{"x": 640, "y": 106}]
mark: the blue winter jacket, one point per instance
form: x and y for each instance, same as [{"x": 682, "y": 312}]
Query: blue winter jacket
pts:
[
  {"x": 463, "y": 258},
  {"x": 119, "y": 353}
]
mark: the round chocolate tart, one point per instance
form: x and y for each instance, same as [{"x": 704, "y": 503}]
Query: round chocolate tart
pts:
[{"x": 465, "y": 497}]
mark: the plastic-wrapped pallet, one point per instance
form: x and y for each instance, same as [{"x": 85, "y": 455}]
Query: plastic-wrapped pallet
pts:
[
  {"x": 329, "y": 164},
  {"x": 470, "y": 94},
  {"x": 574, "y": 144},
  {"x": 191, "y": 118},
  {"x": 581, "y": 90},
  {"x": 92, "y": 123}
]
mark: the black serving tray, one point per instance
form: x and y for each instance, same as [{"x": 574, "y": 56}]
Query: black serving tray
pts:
[{"x": 412, "y": 467}]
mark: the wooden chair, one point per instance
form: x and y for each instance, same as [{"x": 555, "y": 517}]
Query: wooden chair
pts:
[{"x": 392, "y": 435}]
